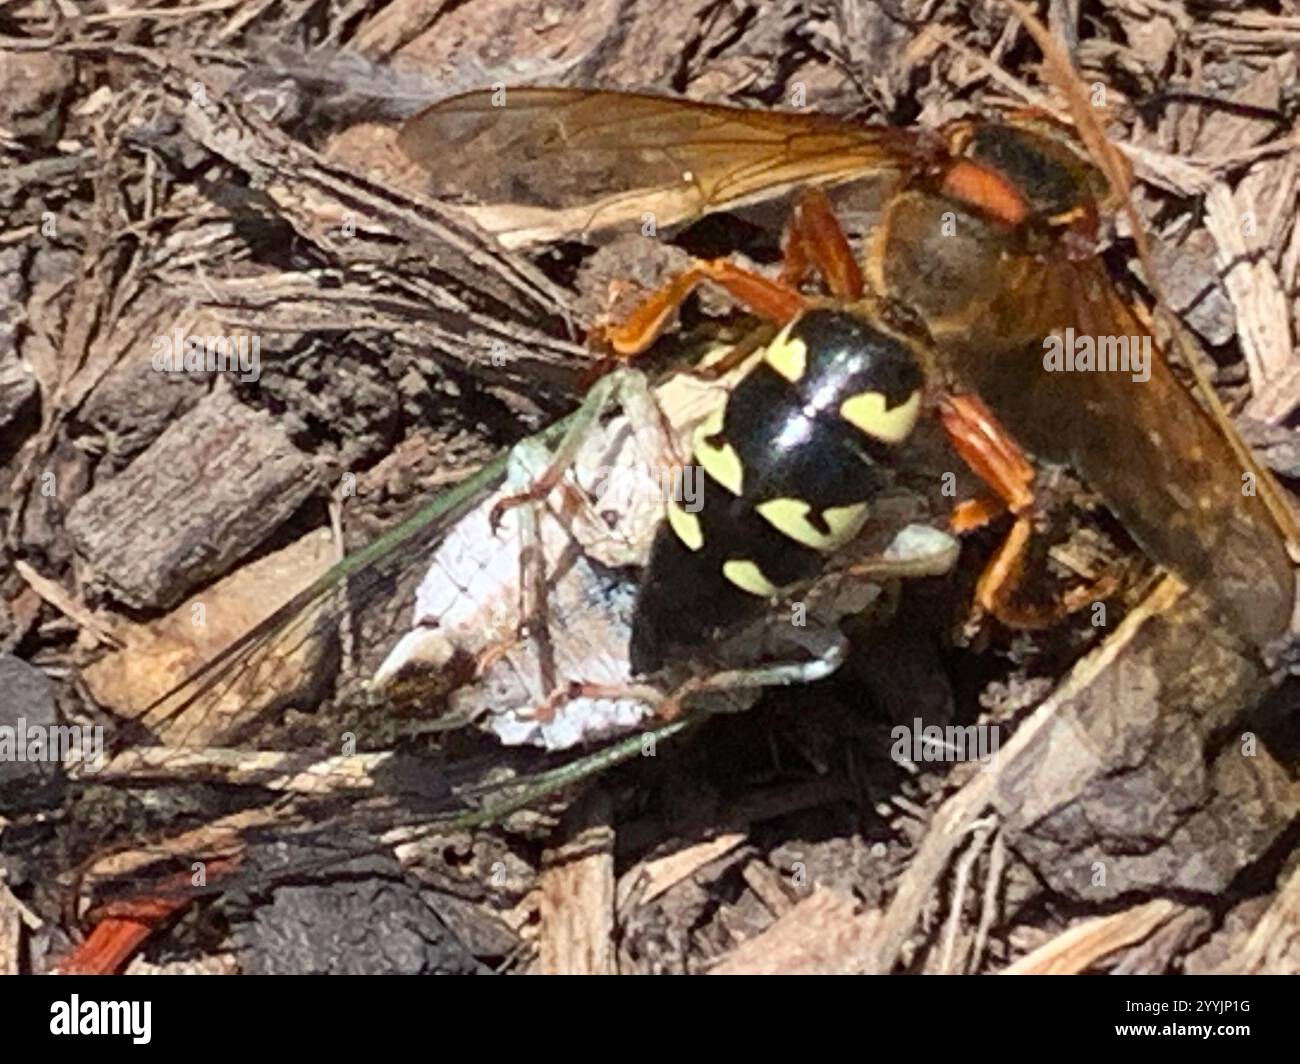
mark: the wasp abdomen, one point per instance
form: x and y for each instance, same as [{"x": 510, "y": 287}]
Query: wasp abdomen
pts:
[{"x": 785, "y": 476}]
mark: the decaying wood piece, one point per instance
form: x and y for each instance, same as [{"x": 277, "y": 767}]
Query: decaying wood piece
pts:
[
  {"x": 1162, "y": 951},
  {"x": 11, "y": 929},
  {"x": 206, "y": 493},
  {"x": 17, "y": 385},
  {"x": 96, "y": 628},
  {"x": 472, "y": 296},
  {"x": 304, "y": 772},
  {"x": 14, "y": 915},
  {"x": 769, "y": 887},
  {"x": 651, "y": 879},
  {"x": 1141, "y": 783},
  {"x": 1108, "y": 786}
]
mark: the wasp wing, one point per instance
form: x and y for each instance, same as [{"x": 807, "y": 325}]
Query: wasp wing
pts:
[
  {"x": 553, "y": 163},
  {"x": 1163, "y": 464}
]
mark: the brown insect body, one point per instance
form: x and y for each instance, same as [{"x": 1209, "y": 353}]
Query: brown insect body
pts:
[{"x": 991, "y": 291}]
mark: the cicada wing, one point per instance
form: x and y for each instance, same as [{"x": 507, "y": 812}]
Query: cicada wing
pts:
[{"x": 247, "y": 669}]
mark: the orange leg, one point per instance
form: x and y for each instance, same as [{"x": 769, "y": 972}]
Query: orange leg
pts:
[
  {"x": 814, "y": 239},
  {"x": 984, "y": 445},
  {"x": 997, "y": 459},
  {"x": 769, "y": 299},
  {"x": 970, "y": 514},
  {"x": 995, "y": 592}
]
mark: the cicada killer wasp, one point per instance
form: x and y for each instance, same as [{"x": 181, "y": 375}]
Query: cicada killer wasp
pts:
[{"x": 989, "y": 235}]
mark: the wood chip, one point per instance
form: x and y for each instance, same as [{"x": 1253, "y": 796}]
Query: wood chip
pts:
[
  {"x": 302, "y": 772},
  {"x": 1083, "y": 946},
  {"x": 1046, "y": 751},
  {"x": 213, "y": 964},
  {"x": 1274, "y": 946},
  {"x": 768, "y": 884},
  {"x": 161, "y": 654},
  {"x": 99, "y": 628},
  {"x": 1263, "y": 313},
  {"x": 1160, "y": 952},
  {"x": 825, "y": 934},
  {"x": 13, "y": 914},
  {"x": 577, "y": 894},
  {"x": 657, "y": 877},
  {"x": 212, "y": 488}
]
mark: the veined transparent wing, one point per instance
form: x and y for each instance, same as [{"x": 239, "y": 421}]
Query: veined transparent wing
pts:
[{"x": 554, "y": 163}]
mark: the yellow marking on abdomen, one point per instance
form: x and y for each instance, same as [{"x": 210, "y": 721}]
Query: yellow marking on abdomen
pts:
[
  {"x": 788, "y": 357},
  {"x": 867, "y": 413},
  {"x": 721, "y": 462},
  {"x": 790, "y": 517},
  {"x": 747, "y": 576},
  {"x": 686, "y": 525}
]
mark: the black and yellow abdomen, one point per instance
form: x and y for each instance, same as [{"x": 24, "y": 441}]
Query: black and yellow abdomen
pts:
[{"x": 786, "y": 472}]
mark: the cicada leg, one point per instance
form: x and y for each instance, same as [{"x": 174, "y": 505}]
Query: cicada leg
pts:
[
  {"x": 543, "y": 480},
  {"x": 736, "y": 357},
  {"x": 534, "y": 621},
  {"x": 828, "y": 650},
  {"x": 624, "y": 387}
]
